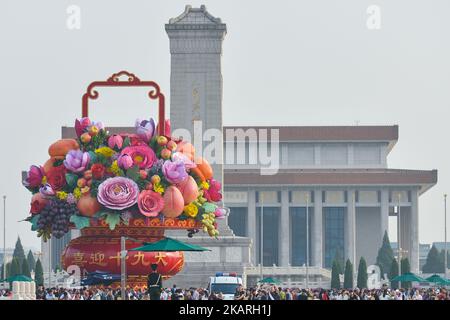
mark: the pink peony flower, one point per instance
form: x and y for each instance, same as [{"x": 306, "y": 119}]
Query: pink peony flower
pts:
[
  {"x": 143, "y": 156},
  {"x": 115, "y": 141},
  {"x": 150, "y": 203},
  {"x": 118, "y": 193},
  {"x": 34, "y": 177},
  {"x": 174, "y": 171}
]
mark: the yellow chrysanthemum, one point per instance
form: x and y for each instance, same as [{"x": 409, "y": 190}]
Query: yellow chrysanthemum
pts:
[
  {"x": 61, "y": 195},
  {"x": 157, "y": 187},
  {"x": 105, "y": 151},
  {"x": 191, "y": 210},
  {"x": 115, "y": 168},
  {"x": 77, "y": 193},
  {"x": 204, "y": 185}
]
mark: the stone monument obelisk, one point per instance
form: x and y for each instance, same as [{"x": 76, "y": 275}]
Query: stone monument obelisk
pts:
[{"x": 196, "y": 106}]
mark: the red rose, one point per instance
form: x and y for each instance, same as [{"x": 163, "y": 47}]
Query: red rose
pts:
[
  {"x": 98, "y": 171},
  {"x": 56, "y": 177},
  {"x": 38, "y": 202}
]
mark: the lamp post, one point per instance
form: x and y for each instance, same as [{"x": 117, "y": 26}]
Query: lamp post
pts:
[
  {"x": 261, "y": 242},
  {"x": 4, "y": 237},
  {"x": 399, "y": 248},
  {"x": 445, "y": 236},
  {"x": 123, "y": 266},
  {"x": 307, "y": 240}
]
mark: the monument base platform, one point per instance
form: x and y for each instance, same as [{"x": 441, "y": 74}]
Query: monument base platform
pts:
[{"x": 228, "y": 254}]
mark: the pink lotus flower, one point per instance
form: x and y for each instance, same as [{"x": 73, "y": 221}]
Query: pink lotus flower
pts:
[
  {"x": 81, "y": 125},
  {"x": 143, "y": 156},
  {"x": 150, "y": 203},
  {"x": 77, "y": 161},
  {"x": 115, "y": 141},
  {"x": 174, "y": 171},
  {"x": 125, "y": 161},
  {"x": 145, "y": 129},
  {"x": 34, "y": 177},
  {"x": 118, "y": 193}
]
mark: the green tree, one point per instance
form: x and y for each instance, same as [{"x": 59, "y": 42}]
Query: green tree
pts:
[
  {"x": 335, "y": 281},
  {"x": 339, "y": 261},
  {"x": 406, "y": 267},
  {"x": 361, "y": 281},
  {"x": 385, "y": 255},
  {"x": 38, "y": 273},
  {"x": 348, "y": 275},
  {"x": 433, "y": 263},
  {"x": 25, "y": 269},
  {"x": 31, "y": 261},
  {"x": 15, "y": 267},
  {"x": 393, "y": 272},
  {"x": 18, "y": 252}
]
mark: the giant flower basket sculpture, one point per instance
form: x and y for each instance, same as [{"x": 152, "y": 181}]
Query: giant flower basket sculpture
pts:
[{"x": 136, "y": 184}]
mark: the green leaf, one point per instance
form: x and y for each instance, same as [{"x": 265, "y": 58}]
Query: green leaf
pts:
[
  {"x": 133, "y": 173},
  {"x": 71, "y": 180},
  {"x": 80, "y": 221},
  {"x": 126, "y": 142},
  {"x": 112, "y": 219},
  {"x": 93, "y": 156},
  {"x": 34, "y": 220}
]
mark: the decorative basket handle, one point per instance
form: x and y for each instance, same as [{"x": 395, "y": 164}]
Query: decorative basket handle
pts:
[{"x": 130, "y": 81}]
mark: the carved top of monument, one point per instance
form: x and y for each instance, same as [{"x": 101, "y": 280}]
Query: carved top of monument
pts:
[{"x": 195, "y": 18}]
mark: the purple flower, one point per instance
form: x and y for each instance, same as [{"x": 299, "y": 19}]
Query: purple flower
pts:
[
  {"x": 77, "y": 161},
  {"x": 174, "y": 171},
  {"x": 178, "y": 156},
  {"x": 47, "y": 190},
  {"x": 98, "y": 124},
  {"x": 34, "y": 177},
  {"x": 125, "y": 161},
  {"x": 145, "y": 129},
  {"x": 118, "y": 193}
]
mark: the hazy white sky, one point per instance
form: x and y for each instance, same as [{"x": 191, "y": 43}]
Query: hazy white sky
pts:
[{"x": 285, "y": 63}]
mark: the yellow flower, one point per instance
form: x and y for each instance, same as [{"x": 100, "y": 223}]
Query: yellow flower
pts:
[
  {"x": 77, "y": 193},
  {"x": 204, "y": 185},
  {"x": 85, "y": 189},
  {"x": 115, "y": 168},
  {"x": 105, "y": 151},
  {"x": 61, "y": 195},
  {"x": 157, "y": 187},
  {"x": 191, "y": 210},
  {"x": 44, "y": 180}
]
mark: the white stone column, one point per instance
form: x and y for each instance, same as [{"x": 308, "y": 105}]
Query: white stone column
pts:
[
  {"x": 251, "y": 223},
  {"x": 414, "y": 225},
  {"x": 350, "y": 227},
  {"x": 316, "y": 236},
  {"x": 284, "y": 235},
  {"x": 384, "y": 214}
]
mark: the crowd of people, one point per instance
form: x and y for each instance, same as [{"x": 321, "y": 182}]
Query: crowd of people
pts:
[{"x": 267, "y": 292}]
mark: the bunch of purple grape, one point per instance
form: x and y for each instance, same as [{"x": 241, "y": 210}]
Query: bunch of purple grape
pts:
[{"x": 55, "y": 217}]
